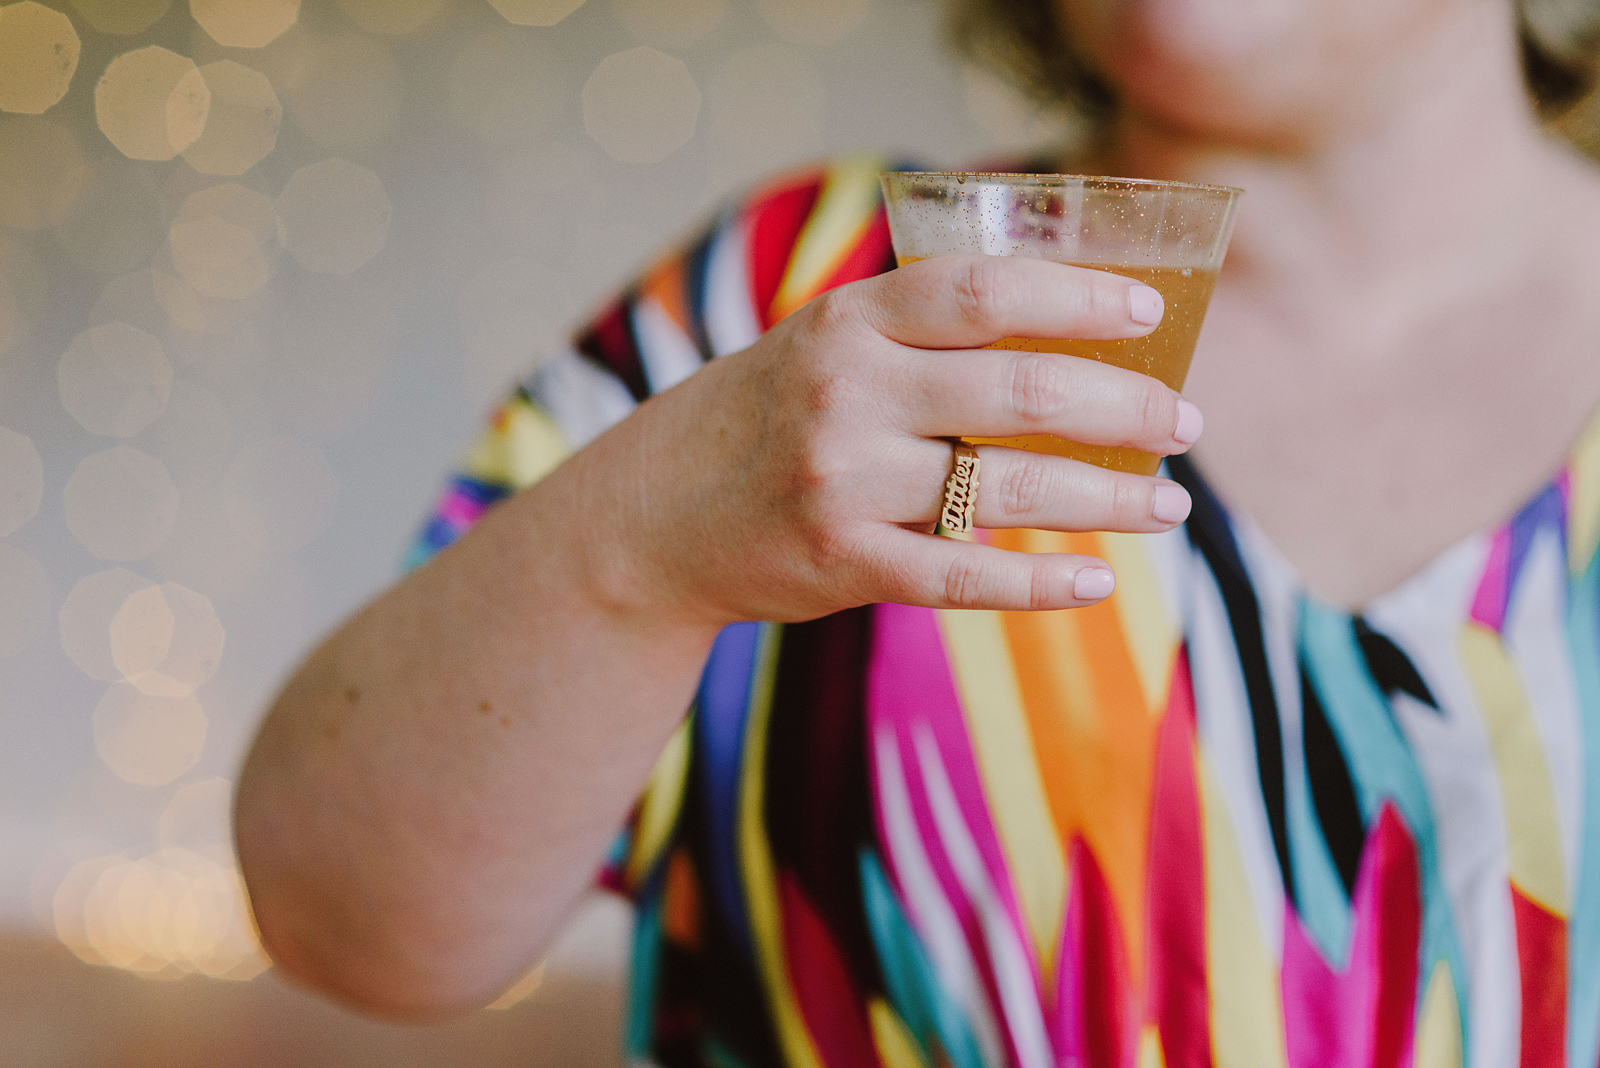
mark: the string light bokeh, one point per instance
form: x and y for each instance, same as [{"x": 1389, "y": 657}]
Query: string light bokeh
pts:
[{"x": 263, "y": 266}]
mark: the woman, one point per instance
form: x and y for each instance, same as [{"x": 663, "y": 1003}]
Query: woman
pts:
[{"x": 1314, "y": 787}]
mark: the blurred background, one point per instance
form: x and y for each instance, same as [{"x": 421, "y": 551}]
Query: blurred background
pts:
[{"x": 264, "y": 264}]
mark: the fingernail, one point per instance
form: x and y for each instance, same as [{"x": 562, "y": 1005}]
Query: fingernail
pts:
[
  {"x": 1171, "y": 504},
  {"x": 1093, "y": 584},
  {"x": 1190, "y": 423},
  {"x": 1145, "y": 305}
]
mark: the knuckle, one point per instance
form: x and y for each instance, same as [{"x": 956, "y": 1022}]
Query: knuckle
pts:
[
  {"x": 1106, "y": 301},
  {"x": 1160, "y": 413},
  {"x": 964, "y": 581},
  {"x": 1021, "y": 487},
  {"x": 835, "y": 311},
  {"x": 1129, "y": 502},
  {"x": 1040, "y": 592},
  {"x": 979, "y": 293},
  {"x": 1039, "y": 385}
]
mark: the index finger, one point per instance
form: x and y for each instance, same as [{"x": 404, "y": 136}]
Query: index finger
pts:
[{"x": 972, "y": 301}]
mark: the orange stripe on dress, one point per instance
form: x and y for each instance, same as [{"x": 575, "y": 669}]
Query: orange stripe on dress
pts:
[
  {"x": 1091, "y": 729},
  {"x": 664, "y": 285}
]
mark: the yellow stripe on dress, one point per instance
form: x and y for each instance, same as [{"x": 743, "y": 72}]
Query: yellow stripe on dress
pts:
[
  {"x": 521, "y": 445},
  {"x": 1246, "y": 1009},
  {"x": 896, "y": 1047},
  {"x": 1091, "y": 727},
  {"x": 755, "y": 860},
  {"x": 1150, "y": 1054},
  {"x": 1439, "y": 1023},
  {"x": 980, "y": 660},
  {"x": 1533, "y": 835},
  {"x": 1148, "y": 622},
  {"x": 1583, "y": 509},
  {"x": 845, "y": 205},
  {"x": 658, "y": 807}
]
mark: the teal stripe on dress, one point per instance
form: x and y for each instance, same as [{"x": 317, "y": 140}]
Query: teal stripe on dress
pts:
[
  {"x": 1383, "y": 769},
  {"x": 1583, "y": 940},
  {"x": 1320, "y": 900},
  {"x": 643, "y": 971},
  {"x": 913, "y": 988}
]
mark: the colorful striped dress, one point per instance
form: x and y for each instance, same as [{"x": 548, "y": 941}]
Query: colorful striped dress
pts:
[{"x": 1211, "y": 821}]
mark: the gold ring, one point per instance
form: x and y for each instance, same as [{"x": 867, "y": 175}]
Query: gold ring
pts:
[{"x": 960, "y": 491}]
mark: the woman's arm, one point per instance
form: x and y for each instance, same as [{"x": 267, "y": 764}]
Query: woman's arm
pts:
[{"x": 440, "y": 780}]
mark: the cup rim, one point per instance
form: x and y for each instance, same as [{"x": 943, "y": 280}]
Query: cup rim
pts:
[{"x": 1023, "y": 178}]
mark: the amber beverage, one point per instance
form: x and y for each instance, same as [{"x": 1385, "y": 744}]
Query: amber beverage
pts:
[{"x": 1168, "y": 235}]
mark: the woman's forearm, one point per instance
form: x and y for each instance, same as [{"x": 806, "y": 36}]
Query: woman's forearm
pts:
[{"x": 441, "y": 779}]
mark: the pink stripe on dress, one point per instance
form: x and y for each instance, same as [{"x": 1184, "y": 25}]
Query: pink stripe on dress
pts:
[
  {"x": 911, "y": 690},
  {"x": 1362, "y": 1016},
  {"x": 1489, "y": 604}
]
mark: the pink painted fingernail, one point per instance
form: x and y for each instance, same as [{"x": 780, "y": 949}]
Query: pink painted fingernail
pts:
[
  {"x": 1093, "y": 584},
  {"x": 1190, "y": 423},
  {"x": 1145, "y": 305},
  {"x": 1171, "y": 504}
]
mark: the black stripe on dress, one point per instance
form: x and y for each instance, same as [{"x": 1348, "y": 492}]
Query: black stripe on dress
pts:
[
  {"x": 1333, "y": 792},
  {"x": 1209, "y": 532},
  {"x": 1389, "y": 666}
]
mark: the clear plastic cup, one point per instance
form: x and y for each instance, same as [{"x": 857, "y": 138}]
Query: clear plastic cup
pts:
[{"x": 1169, "y": 235}]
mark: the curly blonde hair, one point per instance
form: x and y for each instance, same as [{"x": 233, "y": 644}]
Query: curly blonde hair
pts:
[{"x": 1023, "y": 41}]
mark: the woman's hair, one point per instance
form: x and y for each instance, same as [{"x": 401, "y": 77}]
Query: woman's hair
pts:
[{"x": 1024, "y": 41}]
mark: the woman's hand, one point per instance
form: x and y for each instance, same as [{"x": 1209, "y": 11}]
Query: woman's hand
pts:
[{"x": 802, "y": 475}]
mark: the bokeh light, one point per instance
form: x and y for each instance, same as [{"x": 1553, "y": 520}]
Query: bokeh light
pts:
[
  {"x": 86, "y": 617},
  {"x": 42, "y": 172},
  {"x": 669, "y": 23},
  {"x": 21, "y": 480},
  {"x": 167, "y": 640},
  {"x": 344, "y": 91},
  {"x": 112, "y": 229},
  {"x": 535, "y": 12},
  {"x": 392, "y": 16},
  {"x": 335, "y": 216},
  {"x": 764, "y": 109},
  {"x": 506, "y": 88},
  {"x": 121, "y": 503},
  {"x": 640, "y": 105},
  {"x": 114, "y": 380},
  {"x": 168, "y": 914},
  {"x": 288, "y": 486},
  {"x": 151, "y": 103},
  {"x": 147, "y": 739},
  {"x": 242, "y": 124},
  {"x": 121, "y": 16},
  {"x": 224, "y": 241},
  {"x": 813, "y": 22},
  {"x": 24, "y": 600},
  {"x": 38, "y": 56},
  {"x": 245, "y": 23}
]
